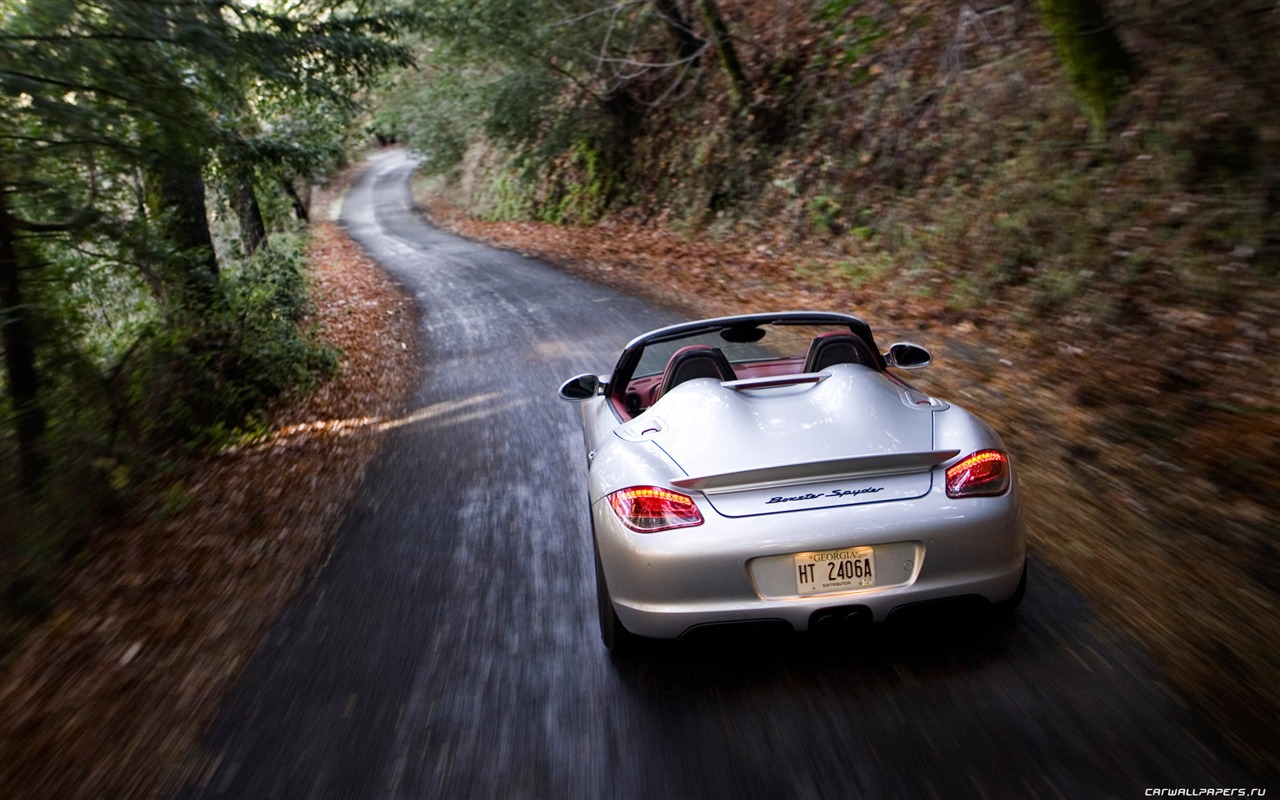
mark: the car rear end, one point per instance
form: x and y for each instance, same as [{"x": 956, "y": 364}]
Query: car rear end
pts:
[
  {"x": 788, "y": 565},
  {"x": 843, "y": 501}
]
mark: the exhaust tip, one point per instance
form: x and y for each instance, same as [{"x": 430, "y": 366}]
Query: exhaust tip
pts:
[
  {"x": 855, "y": 620},
  {"x": 824, "y": 624},
  {"x": 840, "y": 621}
]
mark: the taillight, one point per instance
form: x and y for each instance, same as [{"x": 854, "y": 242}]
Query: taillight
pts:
[
  {"x": 982, "y": 474},
  {"x": 646, "y": 509}
]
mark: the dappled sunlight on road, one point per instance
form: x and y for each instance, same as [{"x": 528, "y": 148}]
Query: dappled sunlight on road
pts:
[
  {"x": 456, "y": 412},
  {"x": 449, "y": 412}
]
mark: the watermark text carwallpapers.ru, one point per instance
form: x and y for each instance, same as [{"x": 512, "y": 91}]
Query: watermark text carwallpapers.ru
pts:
[{"x": 1206, "y": 793}]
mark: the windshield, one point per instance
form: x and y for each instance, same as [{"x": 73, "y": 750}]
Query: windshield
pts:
[{"x": 764, "y": 342}]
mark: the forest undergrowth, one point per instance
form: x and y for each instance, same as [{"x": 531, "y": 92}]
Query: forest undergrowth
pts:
[{"x": 112, "y": 688}]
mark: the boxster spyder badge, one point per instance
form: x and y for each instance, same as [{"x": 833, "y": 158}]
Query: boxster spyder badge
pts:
[
  {"x": 772, "y": 467},
  {"x": 832, "y": 493}
]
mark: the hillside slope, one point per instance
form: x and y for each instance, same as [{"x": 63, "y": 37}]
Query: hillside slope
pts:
[{"x": 1109, "y": 304}]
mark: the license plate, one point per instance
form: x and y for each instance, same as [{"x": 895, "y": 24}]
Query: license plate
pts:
[{"x": 834, "y": 570}]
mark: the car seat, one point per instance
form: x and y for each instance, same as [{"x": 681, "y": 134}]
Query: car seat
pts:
[
  {"x": 836, "y": 347},
  {"x": 695, "y": 361}
]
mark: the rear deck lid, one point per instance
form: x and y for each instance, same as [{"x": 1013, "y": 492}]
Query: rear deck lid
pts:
[{"x": 850, "y": 437}]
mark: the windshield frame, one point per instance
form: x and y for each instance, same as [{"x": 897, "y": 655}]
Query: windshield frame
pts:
[{"x": 692, "y": 332}]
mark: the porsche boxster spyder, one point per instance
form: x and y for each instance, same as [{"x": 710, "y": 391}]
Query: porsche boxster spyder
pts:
[{"x": 774, "y": 467}]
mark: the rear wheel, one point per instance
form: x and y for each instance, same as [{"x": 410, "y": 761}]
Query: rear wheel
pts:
[{"x": 615, "y": 636}]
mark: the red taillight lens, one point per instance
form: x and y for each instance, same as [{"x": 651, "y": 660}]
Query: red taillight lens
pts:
[
  {"x": 982, "y": 474},
  {"x": 646, "y": 509}
]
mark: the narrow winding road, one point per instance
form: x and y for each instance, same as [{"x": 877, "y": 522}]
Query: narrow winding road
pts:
[{"x": 449, "y": 648}]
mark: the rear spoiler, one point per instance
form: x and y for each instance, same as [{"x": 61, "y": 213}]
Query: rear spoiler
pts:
[{"x": 831, "y": 469}]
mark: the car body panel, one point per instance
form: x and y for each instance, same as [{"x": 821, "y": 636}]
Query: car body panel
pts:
[
  {"x": 732, "y": 570},
  {"x": 782, "y": 464}
]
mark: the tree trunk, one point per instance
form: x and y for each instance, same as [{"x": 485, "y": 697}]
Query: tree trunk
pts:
[
  {"x": 687, "y": 43},
  {"x": 174, "y": 189},
  {"x": 301, "y": 199},
  {"x": 739, "y": 86},
  {"x": 253, "y": 231},
  {"x": 175, "y": 192},
  {"x": 22, "y": 377},
  {"x": 1096, "y": 62}
]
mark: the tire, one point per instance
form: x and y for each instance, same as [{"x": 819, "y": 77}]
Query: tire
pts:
[
  {"x": 617, "y": 639},
  {"x": 1005, "y": 608}
]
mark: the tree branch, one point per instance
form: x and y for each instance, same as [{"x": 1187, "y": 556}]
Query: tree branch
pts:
[{"x": 78, "y": 218}]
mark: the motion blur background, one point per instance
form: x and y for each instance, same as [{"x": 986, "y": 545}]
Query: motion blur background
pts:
[{"x": 1076, "y": 203}]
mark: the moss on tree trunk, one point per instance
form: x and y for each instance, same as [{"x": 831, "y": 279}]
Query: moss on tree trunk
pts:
[
  {"x": 1096, "y": 62},
  {"x": 175, "y": 190},
  {"x": 739, "y": 86}
]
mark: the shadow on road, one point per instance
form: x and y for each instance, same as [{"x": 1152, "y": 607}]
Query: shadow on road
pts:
[{"x": 944, "y": 638}]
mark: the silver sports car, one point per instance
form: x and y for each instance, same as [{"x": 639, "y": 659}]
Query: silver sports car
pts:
[{"x": 771, "y": 467}]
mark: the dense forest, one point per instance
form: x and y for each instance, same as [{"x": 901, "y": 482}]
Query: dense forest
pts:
[
  {"x": 155, "y": 165},
  {"x": 1093, "y": 183}
]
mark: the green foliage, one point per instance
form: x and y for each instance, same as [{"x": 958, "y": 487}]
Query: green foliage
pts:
[
  {"x": 824, "y": 213},
  {"x": 128, "y": 390},
  {"x": 852, "y": 34},
  {"x": 552, "y": 83},
  {"x": 510, "y": 59},
  {"x": 504, "y": 197},
  {"x": 521, "y": 112},
  {"x": 129, "y": 330},
  {"x": 584, "y": 191},
  {"x": 204, "y": 381},
  {"x": 435, "y": 112}
]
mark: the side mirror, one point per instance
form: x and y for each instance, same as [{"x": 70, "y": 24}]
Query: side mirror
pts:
[
  {"x": 905, "y": 355},
  {"x": 580, "y": 388}
]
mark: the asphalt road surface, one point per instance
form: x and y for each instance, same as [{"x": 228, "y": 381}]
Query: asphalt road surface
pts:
[{"x": 449, "y": 648}]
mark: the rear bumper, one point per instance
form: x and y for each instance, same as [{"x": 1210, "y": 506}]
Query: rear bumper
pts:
[
  {"x": 740, "y": 570},
  {"x": 673, "y": 622}
]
